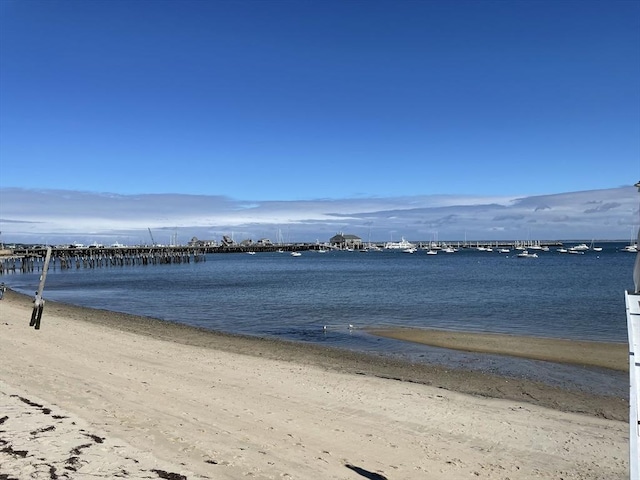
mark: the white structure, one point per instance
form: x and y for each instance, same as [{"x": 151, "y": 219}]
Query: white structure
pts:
[
  {"x": 633, "y": 326},
  {"x": 632, "y": 300}
]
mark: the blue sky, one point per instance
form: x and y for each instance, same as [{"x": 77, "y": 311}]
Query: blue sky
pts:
[{"x": 322, "y": 102}]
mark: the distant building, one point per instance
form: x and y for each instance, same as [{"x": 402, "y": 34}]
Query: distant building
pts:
[
  {"x": 343, "y": 241},
  {"x": 194, "y": 242},
  {"x": 227, "y": 241}
]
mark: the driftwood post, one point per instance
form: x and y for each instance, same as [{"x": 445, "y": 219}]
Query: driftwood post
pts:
[{"x": 38, "y": 301}]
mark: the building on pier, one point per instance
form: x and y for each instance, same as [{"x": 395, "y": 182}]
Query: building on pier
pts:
[{"x": 344, "y": 241}]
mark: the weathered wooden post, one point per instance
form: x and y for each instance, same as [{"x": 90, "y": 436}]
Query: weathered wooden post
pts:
[
  {"x": 38, "y": 301},
  {"x": 632, "y": 300}
]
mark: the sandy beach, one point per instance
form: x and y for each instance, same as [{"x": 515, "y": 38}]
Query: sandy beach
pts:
[{"x": 96, "y": 394}]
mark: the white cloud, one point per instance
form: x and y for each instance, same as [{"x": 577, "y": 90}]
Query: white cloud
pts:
[{"x": 57, "y": 216}]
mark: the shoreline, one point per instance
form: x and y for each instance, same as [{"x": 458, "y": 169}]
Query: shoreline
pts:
[
  {"x": 106, "y": 394},
  {"x": 347, "y": 361}
]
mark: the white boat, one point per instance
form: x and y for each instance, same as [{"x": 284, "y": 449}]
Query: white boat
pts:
[
  {"x": 562, "y": 250},
  {"x": 526, "y": 254},
  {"x": 410, "y": 250},
  {"x": 580, "y": 247},
  {"x": 296, "y": 254},
  {"x": 504, "y": 250},
  {"x": 432, "y": 252},
  {"x": 633, "y": 243},
  {"x": 401, "y": 245},
  {"x": 595, "y": 249},
  {"x": 251, "y": 253}
]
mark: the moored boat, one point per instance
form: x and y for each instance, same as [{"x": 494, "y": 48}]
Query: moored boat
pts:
[
  {"x": 401, "y": 245},
  {"x": 580, "y": 247}
]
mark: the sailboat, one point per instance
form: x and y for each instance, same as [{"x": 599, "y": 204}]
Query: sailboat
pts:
[{"x": 632, "y": 247}]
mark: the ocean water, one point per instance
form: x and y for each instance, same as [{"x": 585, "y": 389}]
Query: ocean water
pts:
[{"x": 578, "y": 297}]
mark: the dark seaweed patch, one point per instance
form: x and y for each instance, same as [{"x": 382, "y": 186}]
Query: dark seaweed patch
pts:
[
  {"x": 95, "y": 438},
  {"x": 44, "y": 409},
  {"x": 52, "y": 473},
  {"x": 43, "y": 429},
  {"x": 78, "y": 449},
  {"x": 169, "y": 475},
  {"x": 15, "y": 453}
]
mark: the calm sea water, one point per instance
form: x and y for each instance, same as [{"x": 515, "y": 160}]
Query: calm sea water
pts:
[{"x": 275, "y": 294}]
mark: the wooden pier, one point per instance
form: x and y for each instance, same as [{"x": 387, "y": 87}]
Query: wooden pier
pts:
[
  {"x": 31, "y": 260},
  {"x": 27, "y": 260}
]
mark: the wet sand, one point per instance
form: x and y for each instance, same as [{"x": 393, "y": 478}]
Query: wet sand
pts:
[
  {"x": 107, "y": 392},
  {"x": 614, "y": 356}
]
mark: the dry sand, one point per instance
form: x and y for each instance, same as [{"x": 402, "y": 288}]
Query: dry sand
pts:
[{"x": 94, "y": 394}]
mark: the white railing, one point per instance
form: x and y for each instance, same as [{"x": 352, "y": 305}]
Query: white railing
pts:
[{"x": 632, "y": 301}]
